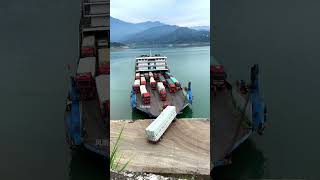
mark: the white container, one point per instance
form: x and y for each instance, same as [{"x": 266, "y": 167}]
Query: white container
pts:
[
  {"x": 156, "y": 129},
  {"x": 143, "y": 89},
  {"x": 160, "y": 86},
  {"x": 150, "y": 74},
  {"x": 87, "y": 65},
  {"x": 88, "y": 41},
  {"x": 136, "y": 82},
  {"x": 143, "y": 79},
  {"x": 152, "y": 80},
  {"x": 241, "y": 103}
]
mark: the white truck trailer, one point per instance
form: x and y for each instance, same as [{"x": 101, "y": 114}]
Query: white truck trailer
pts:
[{"x": 156, "y": 129}]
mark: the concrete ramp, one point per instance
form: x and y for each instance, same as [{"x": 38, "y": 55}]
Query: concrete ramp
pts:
[{"x": 183, "y": 149}]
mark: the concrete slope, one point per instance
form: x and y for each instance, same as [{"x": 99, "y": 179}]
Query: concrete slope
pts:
[{"x": 183, "y": 149}]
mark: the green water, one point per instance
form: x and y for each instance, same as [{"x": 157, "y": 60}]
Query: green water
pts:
[{"x": 186, "y": 64}]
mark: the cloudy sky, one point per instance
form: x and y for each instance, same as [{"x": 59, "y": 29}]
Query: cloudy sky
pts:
[{"x": 173, "y": 12}]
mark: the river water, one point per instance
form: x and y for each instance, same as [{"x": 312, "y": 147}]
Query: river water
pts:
[
  {"x": 283, "y": 37},
  {"x": 186, "y": 64},
  {"x": 38, "y": 40}
]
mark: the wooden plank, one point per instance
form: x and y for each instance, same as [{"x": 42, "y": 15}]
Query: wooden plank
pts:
[{"x": 184, "y": 148}]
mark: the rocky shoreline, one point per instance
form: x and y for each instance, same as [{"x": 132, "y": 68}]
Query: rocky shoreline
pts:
[
  {"x": 138, "y": 176},
  {"x": 127, "y": 175}
]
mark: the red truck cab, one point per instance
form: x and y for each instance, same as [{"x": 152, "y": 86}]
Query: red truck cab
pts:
[
  {"x": 163, "y": 95},
  {"x": 88, "y": 46},
  {"x": 218, "y": 76}
]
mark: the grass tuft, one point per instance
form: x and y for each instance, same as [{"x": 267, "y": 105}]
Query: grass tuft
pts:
[{"x": 115, "y": 158}]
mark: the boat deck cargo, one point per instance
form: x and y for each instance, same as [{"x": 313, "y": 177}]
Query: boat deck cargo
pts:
[
  {"x": 87, "y": 65},
  {"x": 88, "y": 46},
  {"x": 237, "y": 112},
  {"x": 151, "y": 70},
  {"x": 102, "y": 82},
  {"x": 87, "y": 111},
  {"x": 228, "y": 126}
]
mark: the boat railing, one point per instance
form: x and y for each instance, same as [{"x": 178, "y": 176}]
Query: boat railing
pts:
[{"x": 158, "y": 65}]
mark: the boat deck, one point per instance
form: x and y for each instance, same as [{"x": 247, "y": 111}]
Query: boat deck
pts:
[
  {"x": 184, "y": 148},
  {"x": 177, "y": 99},
  {"x": 229, "y": 129},
  {"x": 95, "y": 126}
]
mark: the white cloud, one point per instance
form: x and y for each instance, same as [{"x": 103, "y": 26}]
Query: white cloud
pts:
[{"x": 175, "y": 12}]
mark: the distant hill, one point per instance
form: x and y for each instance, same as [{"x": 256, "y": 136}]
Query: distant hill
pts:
[
  {"x": 201, "y": 28},
  {"x": 168, "y": 35},
  {"x": 121, "y": 29},
  {"x": 186, "y": 35},
  {"x": 151, "y": 35},
  {"x": 117, "y": 44},
  {"x": 156, "y": 33}
]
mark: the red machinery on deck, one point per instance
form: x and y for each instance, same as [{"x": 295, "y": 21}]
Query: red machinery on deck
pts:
[
  {"x": 218, "y": 77},
  {"x": 84, "y": 78},
  {"x": 88, "y": 47}
]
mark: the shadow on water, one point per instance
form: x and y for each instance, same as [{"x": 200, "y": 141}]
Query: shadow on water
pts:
[
  {"x": 87, "y": 165},
  {"x": 186, "y": 113},
  {"x": 136, "y": 114},
  {"x": 247, "y": 162}
]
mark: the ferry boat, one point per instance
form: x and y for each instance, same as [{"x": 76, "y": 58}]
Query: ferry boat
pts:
[
  {"x": 87, "y": 107},
  {"x": 238, "y": 111},
  {"x": 154, "y": 87}
]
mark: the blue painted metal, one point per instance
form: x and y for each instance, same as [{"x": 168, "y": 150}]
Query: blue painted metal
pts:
[
  {"x": 258, "y": 107},
  {"x": 133, "y": 100},
  {"x": 189, "y": 95},
  {"x": 96, "y": 150},
  {"x": 74, "y": 124},
  {"x": 259, "y": 113},
  {"x": 220, "y": 163}
]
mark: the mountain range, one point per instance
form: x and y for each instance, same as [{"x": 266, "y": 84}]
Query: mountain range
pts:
[{"x": 155, "y": 32}]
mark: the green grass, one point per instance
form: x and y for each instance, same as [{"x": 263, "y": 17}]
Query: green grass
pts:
[{"x": 115, "y": 158}]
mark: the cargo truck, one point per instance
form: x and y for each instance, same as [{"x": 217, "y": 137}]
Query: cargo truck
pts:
[
  {"x": 146, "y": 75},
  {"x": 138, "y": 76},
  {"x": 156, "y": 76},
  {"x": 162, "y": 79},
  {"x": 145, "y": 94},
  {"x": 153, "y": 83},
  {"x": 88, "y": 46},
  {"x": 176, "y": 82},
  {"x": 136, "y": 86},
  {"x": 171, "y": 86},
  {"x": 150, "y": 74},
  {"x": 85, "y": 77},
  {"x": 167, "y": 75},
  {"x": 162, "y": 91},
  {"x": 143, "y": 81}
]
